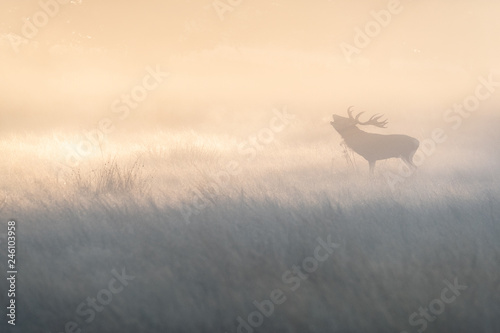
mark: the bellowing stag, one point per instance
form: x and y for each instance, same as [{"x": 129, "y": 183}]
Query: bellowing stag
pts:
[{"x": 373, "y": 147}]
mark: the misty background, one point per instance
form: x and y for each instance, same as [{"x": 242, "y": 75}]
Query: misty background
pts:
[
  {"x": 227, "y": 74},
  {"x": 160, "y": 195}
]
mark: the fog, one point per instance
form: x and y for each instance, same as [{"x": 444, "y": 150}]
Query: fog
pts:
[
  {"x": 172, "y": 165},
  {"x": 261, "y": 54}
]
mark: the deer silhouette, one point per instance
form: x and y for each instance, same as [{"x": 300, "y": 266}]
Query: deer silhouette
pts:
[{"x": 373, "y": 147}]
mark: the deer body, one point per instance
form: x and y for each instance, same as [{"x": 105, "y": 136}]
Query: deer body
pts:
[{"x": 373, "y": 147}]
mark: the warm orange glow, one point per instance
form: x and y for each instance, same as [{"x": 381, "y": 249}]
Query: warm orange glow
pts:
[{"x": 190, "y": 142}]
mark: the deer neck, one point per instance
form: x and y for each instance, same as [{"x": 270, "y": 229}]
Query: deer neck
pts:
[{"x": 351, "y": 133}]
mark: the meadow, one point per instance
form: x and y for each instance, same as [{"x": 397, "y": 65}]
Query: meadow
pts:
[{"x": 122, "y": 212}]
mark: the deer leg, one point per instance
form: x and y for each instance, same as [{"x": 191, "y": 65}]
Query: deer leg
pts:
[
  {"x": 409, "y": 164},
  {"x": 372, "y": 166},
  {"x": 409, "y": 161}
]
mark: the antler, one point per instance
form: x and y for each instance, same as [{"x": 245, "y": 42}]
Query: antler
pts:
[
  {"x": 374, "y": 120},
  {"x": 349, "y": 112}
]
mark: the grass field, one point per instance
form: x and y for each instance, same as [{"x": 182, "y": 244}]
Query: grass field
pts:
[
  {"x": 171, "y": 166},
  {"x": 198, "y": 245}
]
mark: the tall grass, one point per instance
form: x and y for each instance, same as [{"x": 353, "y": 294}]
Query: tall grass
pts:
[
  {"x": 396, "y": 247},
  {"x": 110, "y": 177}
]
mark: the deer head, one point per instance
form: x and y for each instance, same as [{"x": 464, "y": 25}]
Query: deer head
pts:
[{"x": 342, "y": 123}]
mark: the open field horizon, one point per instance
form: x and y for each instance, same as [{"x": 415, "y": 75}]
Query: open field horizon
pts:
[
  {"x": 249, "y": 166},
  {"x": 164, "y": 206}
]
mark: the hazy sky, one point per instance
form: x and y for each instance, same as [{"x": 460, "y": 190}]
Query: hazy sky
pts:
[{"x": 262, "y": 53}]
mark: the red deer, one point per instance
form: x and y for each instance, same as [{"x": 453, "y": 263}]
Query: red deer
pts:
[{"x": 373, "y": 147}]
